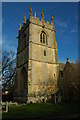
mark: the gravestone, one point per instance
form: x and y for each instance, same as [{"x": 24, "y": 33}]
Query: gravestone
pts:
[
  {"x": 5, "y": 107},
  {"x": 59, "y": 98}
]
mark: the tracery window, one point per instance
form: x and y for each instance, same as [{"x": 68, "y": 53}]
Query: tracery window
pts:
[
  {"x": 46, "y": 41},
  {"x": 43, "y": 38}
]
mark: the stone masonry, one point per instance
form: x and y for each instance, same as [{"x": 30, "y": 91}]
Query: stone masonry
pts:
[{"x": 37, "y": 60}]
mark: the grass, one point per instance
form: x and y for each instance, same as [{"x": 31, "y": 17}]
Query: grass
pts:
[{"x": 41, "y": 110}]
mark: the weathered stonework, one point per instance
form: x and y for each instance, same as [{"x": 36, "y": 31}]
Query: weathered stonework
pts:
[{"x": 37, "y": 62}]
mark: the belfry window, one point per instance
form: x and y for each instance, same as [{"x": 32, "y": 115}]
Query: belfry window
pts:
[
  {"x": 46, "y": 41},
  {"x": 43, "y": 38}
]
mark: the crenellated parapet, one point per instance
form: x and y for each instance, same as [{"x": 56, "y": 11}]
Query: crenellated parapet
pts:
[{"x": 37, "y": 21}]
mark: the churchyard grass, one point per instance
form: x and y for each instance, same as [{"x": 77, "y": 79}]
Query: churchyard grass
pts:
[{"x": 41, "y": 110}]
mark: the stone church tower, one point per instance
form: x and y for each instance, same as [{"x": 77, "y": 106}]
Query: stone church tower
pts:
[{"x": 37, "y": 60}]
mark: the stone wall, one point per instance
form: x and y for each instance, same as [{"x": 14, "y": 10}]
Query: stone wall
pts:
[
  {"x": 37, "y": 63},
  {"x": 43, "y": 70}
]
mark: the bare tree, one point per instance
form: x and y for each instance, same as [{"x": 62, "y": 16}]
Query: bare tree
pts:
[
  {"x": 47, "y": 88},
  {"x": 8, "y": 67}
]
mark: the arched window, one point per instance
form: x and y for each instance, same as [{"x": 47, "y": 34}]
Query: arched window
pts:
[
  {"x": 46, "y": 41},
  {"x": 43, "y": 38}
]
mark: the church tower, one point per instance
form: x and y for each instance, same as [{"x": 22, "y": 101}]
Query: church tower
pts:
[{"x": 37, "y": 60}]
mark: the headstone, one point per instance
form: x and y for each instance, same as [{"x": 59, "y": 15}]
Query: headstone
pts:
[
  {"x": 5, "y": 107},
  {"x": 59, "y": 98}
]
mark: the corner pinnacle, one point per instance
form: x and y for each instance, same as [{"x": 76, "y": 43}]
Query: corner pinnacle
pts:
[
  {"x": 19, "y": 26},
  {"x": 24, "y": 21}
]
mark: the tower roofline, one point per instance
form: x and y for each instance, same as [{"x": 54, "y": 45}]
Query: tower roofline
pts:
[{"x": 36, "y": 20}]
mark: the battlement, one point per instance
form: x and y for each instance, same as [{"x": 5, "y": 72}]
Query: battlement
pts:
[
  {"x": 35, "y": 20},
  {"x": 21, "y": 29},
  {"x": 42, "y": 23}
]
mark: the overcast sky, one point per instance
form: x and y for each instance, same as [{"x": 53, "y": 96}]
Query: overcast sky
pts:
[{"x": 65, "y": 20}]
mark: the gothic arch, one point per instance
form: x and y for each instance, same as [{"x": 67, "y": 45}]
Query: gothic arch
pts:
[
  {"x": 44, "y": 31},
  {"x": 43, "y": 37}
]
